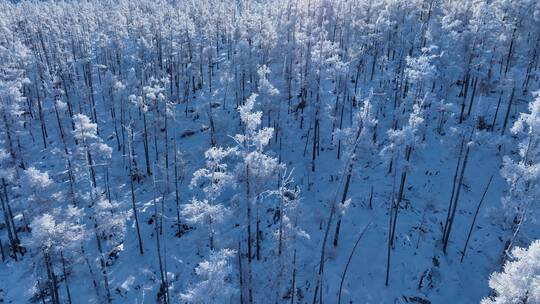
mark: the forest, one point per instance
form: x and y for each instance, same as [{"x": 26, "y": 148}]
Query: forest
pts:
[{"x": 270, "y": 151}]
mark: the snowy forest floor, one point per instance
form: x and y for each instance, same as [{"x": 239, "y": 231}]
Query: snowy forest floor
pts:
[
  {"x": 419, "y": 268},
  {"x": 404, "y": 58}
]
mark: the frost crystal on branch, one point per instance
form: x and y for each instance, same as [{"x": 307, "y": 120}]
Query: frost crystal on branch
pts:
[
  {"x": 57, "y": 231},
  {"x": 216, "y": 286},
  {"x": 523, "y": 174},
  {"x": 200, "y": 211},
  {"x": 519, "y": 282}
]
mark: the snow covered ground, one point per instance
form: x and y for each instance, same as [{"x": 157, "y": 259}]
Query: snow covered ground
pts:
[{"x": 354, "y": 270}]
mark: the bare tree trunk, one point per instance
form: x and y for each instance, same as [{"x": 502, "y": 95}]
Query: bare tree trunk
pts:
[
  {"x": 507, "y": 115},
  {"x": 456, "y": 174},
  {"x": 240, "y": 273},
  {"x": 293, "y": 283},
  {"x": 319, "y": 282},
  {"x": 349, "y": 260},
  {"x": 68, "y": 292},
  {"x": 472, "y": 96},
  {"x": 211, "y": 233},
  {"x": 314, "y": 149},
  {"x": 146, "y": 148},
  {"x": 53, "y": 282},
  {"x": 371, "y": 198},
  {"x": 496, "y": 112},
  {"x": 249, "y": 238},
  {"x": 280, "y": 234},
  {"x": 166, "y": 150},
  {"x": 10, "y": 228},
  {"x": 44, "y": 133},
  {"x": 258, "y": 236},
  {"x": 212, "y": 126},
  {"x": 408, "y": 151},
  {"x": 340, "y": 127},
  {"x": 474, "y": 219},
  {"x": 348, "y": 175},
  {"x": 450, "y": 220},
  {"x": 103, "y": 267},
  {"x": 510, "y": 49},
  {"x": 390, "y": 239},
  {"x": 91, "y": 272},
  {"x": 343, "y": 198},
  {"x": 176, "y": 189},
  {"x": 2, "y": 251},
  {"x": 8, "y": 135},
  {"x": 164, "y": 285},
  {"x": 131, "y": 177},
  {"x": 10, "y": 213}
]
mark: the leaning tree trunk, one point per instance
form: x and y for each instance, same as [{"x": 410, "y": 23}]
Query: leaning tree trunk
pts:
[
  {"x": 10, "y": 228},
  {"x": 176, "y": 190},
  {"x": 103, "y": 266},
  {"x": 53, "y": 282},
  {"x": 131, "y": 177},
  {"x": 249, "y": 238},
  {"x": 68, "y": 292},
  {"x": 450, "y": 219},
  {"x": 507, "y": 115},
  {"x": 474, "y": 219}
]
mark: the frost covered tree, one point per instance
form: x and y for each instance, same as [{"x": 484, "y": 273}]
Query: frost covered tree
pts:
[
  {"x": 216, "y": 286},
  {"x": 13, "y": 102},
  {"x": 214, "y": 178},
  {"x": 7, "y": 173},
  {"x": 254, "y": 175},
  {"x": 41, "y": 192},
  {"x": 287, "y": 233},
  {"x": 359, "y": 139},
  {"x": 266, "y": 91},
  {"x": 80, "y": 76},
  {"x": 154, "y": 105},
  {"x": 289, "y": 198},
  {"x": 54, "y": 235},
  {"x": 523, "y": 174},
  {"x": 110, "y": 219},
  {"x": 327, "y": 64},
  {"x": 519, "y": 281},
  {"x": 143, "y": 108},
  {"x": 398, "y": 151},
  {"x": 113, "y": 90},
  {"x": 93, "y": 149},
  {"x": 257, "y": 170},
  {"x": 421, "y": 71},
  {"x": 109, "y": 229},
  {"x": 202, "y": 213}
]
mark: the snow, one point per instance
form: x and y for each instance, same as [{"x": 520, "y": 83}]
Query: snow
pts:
[{"x": 250, "y": 142}]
